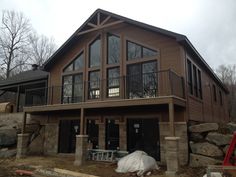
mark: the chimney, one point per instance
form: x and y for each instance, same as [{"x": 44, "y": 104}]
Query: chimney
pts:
[{"x": 34, "y": 67}]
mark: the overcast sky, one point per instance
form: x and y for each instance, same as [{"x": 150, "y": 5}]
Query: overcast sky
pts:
[{"x": 209, "y": 24}]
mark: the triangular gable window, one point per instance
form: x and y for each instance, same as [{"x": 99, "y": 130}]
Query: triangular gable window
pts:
[
  {"x": 136, "y": 51},
  {"x": 76, "y": 64}
]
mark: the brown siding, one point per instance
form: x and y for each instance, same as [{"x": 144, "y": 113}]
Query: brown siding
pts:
[{"x": 206, "y": 109}]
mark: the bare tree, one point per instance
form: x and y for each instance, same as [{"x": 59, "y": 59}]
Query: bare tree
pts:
[
  {"x": 228, "y": 77},
  {"x": 14, "y": 34},
  {"x": 41, "y": 48}
]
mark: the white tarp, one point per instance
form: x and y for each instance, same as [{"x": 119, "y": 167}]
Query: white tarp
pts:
[
  {"x": 214, "y": 174},
  {"x": 138, "y": 162}
]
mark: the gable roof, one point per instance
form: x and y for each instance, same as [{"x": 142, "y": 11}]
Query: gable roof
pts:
[
  {"x": 26, "y": 76},
  {"x": 182, "y": 39}
]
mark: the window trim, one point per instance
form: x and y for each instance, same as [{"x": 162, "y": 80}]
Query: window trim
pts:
[
  {"x": 89, "y": 45},
  {"x": 214, "y": 93},
  {"x": 107, "y": 85},
  {"x": 98, "y": 88},
  {"x": 107, "y": 49},
  {"x": 72, "y": 84},
  {"x": 194, "y": 81},
  {"x": 81, "y": 52},
  {"x": 142, "y": 46}
]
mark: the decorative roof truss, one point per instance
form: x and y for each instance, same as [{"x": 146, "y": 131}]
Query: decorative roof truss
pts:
[{"x": 99, "y": 21}]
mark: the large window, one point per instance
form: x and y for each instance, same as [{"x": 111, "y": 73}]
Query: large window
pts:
[
  {"x": 95, "y": 53},
  {"x": 190, "y": 78},
  {"x": 72, "y": 88},
  {"x": 214, "y": 93},
  {"x": 94, "y": 85},
  {"x": 76, "y": 64},
  {"x": 136, "y": 51},
  {"x": 113, "y": 82},
  {"x": 194, "y": 80},
  {"x": 142, "y": 80},
  {"x": 221, "y": 97},
  {"x": 113, "y": 49}
]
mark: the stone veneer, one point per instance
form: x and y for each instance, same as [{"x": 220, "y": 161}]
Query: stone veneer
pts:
[
  {"x": 51, "y": 139},
  {"x": 22, "y": 145},
  {"x": 180, "y": 131}
]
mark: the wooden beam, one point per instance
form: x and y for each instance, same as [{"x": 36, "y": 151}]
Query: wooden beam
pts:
[
  {"x": 100, "y": 27},
  {"x": 98, "y": 19},
  {"x": 92, "y": 25},
  {"x": 18, "y": 98},
  {"x": 82, "y": 121},
  {"x": 104, "y": 21},
  {"x": 23, "y": 123},
  {"x": 171, "y": 119}
]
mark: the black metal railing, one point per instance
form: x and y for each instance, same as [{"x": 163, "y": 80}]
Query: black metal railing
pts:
[{"x": 145, "y": 85}]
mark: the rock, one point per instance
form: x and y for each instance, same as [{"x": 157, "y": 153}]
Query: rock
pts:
[
  {"x": 196, "y": 137},
  {"x": 202, "y": 161},
  {"x": 218, "y": 139},
  {"x": 231, "y": 127},
  {"x": 5, "y": 153},
  {"x": 206, "y": 149},
  {"x": 8, "y": 136},
  {"x": 203, "y": 127}
]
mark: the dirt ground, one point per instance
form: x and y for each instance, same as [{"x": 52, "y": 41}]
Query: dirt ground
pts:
[{"x": 8, "y": 167}]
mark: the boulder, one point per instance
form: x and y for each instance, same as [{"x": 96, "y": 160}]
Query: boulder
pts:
[
  {"x": 6, "y": 153},
  {"x": 8, "y": 136},
  {"x": 231, "y": 127},
  {"x": 202, "y": 161},
  {"x": 196, "y": 137},
  {"x": 204, "y": 127},
  {"x": 206, "y": 149},
  {"x": 219, "y": 139}
]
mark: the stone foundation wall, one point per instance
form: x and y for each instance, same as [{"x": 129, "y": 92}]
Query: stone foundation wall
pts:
[
  {"x": 209, "y": 143},
  {"x": 51, "y": 139},
  {"x": 180, "y": 131}
]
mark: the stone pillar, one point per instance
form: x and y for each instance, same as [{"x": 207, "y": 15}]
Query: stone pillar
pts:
[
  {"x": 22, "y": 145},
  {"x": 81, "y": 149},
  {"x": 101, "y": 135},
  {"x": 123, "y": 137},
  {"x": 172, "y": 158}
]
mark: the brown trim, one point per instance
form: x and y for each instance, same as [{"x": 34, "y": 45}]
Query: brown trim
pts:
[{"x": 108, "y": 104}]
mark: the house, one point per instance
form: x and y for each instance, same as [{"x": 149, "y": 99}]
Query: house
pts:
[{"x": 127, "y": 85}]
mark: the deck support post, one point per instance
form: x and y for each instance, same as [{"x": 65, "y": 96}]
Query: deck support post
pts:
[
  {"x": 172, "y": 157},
  {"x": 81, "y": 149},
  {"x": 171, "y": 119},
  {"x": 23, "y": 123},
  {"x": 18, "y": 98},
  {"x": 82, "y": 121},
  {"x": 22, "y": 145}
]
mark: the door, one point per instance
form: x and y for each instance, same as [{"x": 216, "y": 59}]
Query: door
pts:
[
  {"x": 112, "y": 135},
  {"x": 68, "y": 129},
  {"x": 143, "y": 134},
  {"x": 92, "y": 132}
]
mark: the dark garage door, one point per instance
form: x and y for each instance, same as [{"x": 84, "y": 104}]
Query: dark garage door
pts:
[
  {"x": 68, "y": 129},
  {"x": 143, "y": 134}
]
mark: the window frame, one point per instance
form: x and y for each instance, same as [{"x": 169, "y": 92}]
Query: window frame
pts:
[
  {"x": 141, "y": 75},
  {"x": 194, "y": 79},
  {"x": 113, "y": 87},
  {"x": 141, "y": 55},
  {"x": 100, "y": 51},
  {"x": 72, "y": 87},
  {"x": 94, "y": 89},
  {"x": 73, "y": 63},
  {"x": 107, "y": 48}
]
